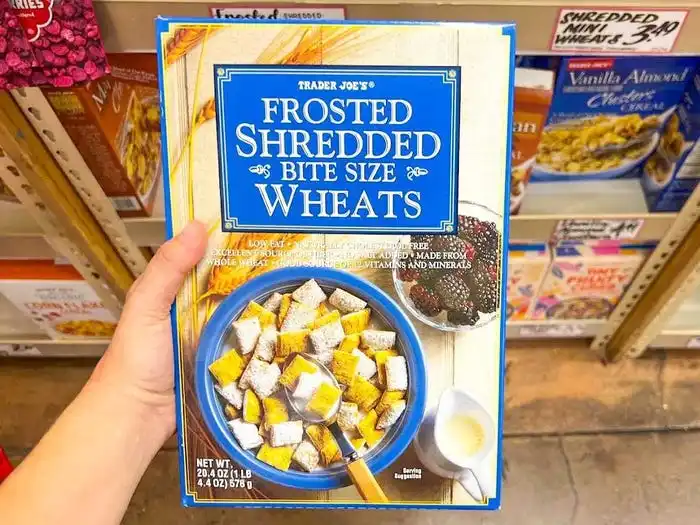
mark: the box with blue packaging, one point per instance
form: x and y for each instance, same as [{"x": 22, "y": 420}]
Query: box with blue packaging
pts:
[
  {"x": 342, "y": 342},
  {"x": 672, "y": 172},
  {"x": 608, "y": 115}
]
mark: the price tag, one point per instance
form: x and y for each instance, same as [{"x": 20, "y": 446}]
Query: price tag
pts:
[
  {"x": 693, "y": 343},
  {"x": 300, "y": 13},
  {"x": 598, "y": 229},
  {"x": 553, "y": 330},
  {"x": 617, "y": 30}
]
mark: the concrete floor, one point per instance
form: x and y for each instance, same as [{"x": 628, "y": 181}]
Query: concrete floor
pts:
[{"x": 586, "y": 444}]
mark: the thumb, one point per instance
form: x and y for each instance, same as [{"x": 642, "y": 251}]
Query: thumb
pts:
[{"x": 155, "y": 290}]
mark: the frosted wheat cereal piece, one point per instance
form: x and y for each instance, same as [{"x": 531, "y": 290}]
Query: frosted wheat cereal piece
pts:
[
  {"x": 325, "y": 356},
  {"x": 247, "y": 332},
  {"x": 246, "y": 434},
  {"x": 255, "y": 367},
  {"x": 228, "y": 368},
  {"x": 288, "y": 433},
  {"x": 266, "y": 317},
  {"x": 295, "y": 368},
  {"x": 232, "y": 394},
  {"x": 356, "y": 322},
  {"x": 252, "y": 410},
  {"x": 325, "y": 443},
  {"x": 391, "y": 415},
  {"x": 307, "y": 385},
  {"x": 273, "y": 302},
  {"x": 298, "y": 316},
  {"x": 368, "y": 428},
  {"x": 231, "y": 412},
  {"x": 380, "y": 358},
  {"x": 349, "y": 343},
  {"x": 396, "y": 373},
  {"x": 324, "y": 400},
  {"x": 344, "y": 367},
  {"x": 359, "y": 444},
  {"x": 324, "y": 319},
  {"x": 328, "y": 336},
  {"x": 348, "y": 416},
  {"x": 310, "y": 294},
  {"x": 378, "y": 339},
  {"x": 387, "y": 399},
  {"x": 290, "y": 342},
  {"x": 275, "y": 411},
  {"x": 306, "y": 456},
  {"x": 366, "y": 367},
  {"x": 362, "y": 392},
  {"x": 266, "y": 383},
  {"x": 345, "y": 301},
  {"x": 279, "y": 457},
  {"x": 266, "y": 347}
]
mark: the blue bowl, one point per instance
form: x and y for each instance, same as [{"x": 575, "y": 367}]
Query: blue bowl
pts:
[{"x": 213, "y": 343}]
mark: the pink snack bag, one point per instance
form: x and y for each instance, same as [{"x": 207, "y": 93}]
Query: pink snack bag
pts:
[{"x": 44, "y": 42}]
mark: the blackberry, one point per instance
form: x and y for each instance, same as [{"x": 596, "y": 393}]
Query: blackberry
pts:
[
  {"x": 420, "y": 243},
  {"x": 466, "y": 315},
  {"x": 409, "y": 272},
  {"x": 426, "y": 300},
  {"x": 466, "y": 226},
  {"x": 483, "y": 282},
  {"x": 448, "y": 244},
  {"x": 430, "y": 275},
  {"x": 452, "y": 290}
]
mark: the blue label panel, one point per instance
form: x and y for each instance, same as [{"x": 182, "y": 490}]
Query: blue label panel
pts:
[{"x": 338, "y": 149}]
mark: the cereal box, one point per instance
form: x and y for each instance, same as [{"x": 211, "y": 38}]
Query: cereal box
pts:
[
  {"x": 325, "y": 344},
  {"x": 533, "y": 94},
  {"x": 115, "y": 123},
  {"x": 56, "y": 298},
  {"x": 527, "y": 266},
  {"x": 672, "y": 172},
  {"x": 586, "y": 280},
  {"x": 607, "y": 115}
]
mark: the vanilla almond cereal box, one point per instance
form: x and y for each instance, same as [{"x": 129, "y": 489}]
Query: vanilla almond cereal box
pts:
[
  {"x": 342, "y": 342},
  {"x": 587, "y": 279},
  {"x": 56, "y": 297},
  {"x": 527, "y": 267}
]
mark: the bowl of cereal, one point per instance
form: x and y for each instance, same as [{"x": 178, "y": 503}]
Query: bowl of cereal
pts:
[
  {"x": 275, "y": 339},
  {"x": 600, "y": 147}
]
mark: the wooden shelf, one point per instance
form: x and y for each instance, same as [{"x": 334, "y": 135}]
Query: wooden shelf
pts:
[{"x": 128, "y": 25}]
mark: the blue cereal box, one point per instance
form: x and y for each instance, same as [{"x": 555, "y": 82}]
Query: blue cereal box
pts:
[
  {"x": 608, "y": 115},
  {"x": 342, "y": 342},
  {"x": 672, "y": 172}
]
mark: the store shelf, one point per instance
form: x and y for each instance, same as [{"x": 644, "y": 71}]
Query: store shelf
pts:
[
  {"x": 683, "y": 330},
  {"x": 583, "y": 329},
  {"x": 28, "y": 346},
  {"x": 128, "y": 25}
]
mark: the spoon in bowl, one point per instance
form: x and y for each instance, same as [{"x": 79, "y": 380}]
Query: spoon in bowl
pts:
[{"x": 359, "y": 472}]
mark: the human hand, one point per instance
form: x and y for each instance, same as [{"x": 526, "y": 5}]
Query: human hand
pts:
[{"x": 139, "y": 361}]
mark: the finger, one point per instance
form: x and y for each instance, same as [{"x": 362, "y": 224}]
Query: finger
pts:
[{"x": 159, "y": 284}]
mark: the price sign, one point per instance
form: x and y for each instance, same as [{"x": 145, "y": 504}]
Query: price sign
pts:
[
  {"x": 301, "y": 13},
  {"x": 617, "y": 30},
  {"x": 553, "y": 330},
  {"x": 598, "y": 229}
]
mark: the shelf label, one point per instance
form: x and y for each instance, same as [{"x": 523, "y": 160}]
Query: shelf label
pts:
[
  {"x": 694, "y": 343},
  {"x": 598, "y": 229},
  {"x": 271, "y": 12},
  {"x": 617, "y": 30},
  {"x": 553, "y": 330}
]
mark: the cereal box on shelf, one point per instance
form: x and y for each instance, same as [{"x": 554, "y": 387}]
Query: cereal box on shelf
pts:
[
  {"x": 533, "y": 95},
  {"x": 608, "y": 114},
  {"x": 341, "y": 343},
  {"x": 527, "y": 266},
  {"x": 55, "y": 297},
  {"x": 672, "y": 172},
  {"x": 586, "y": 279},
  {"x": 115, "y": 123}
]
